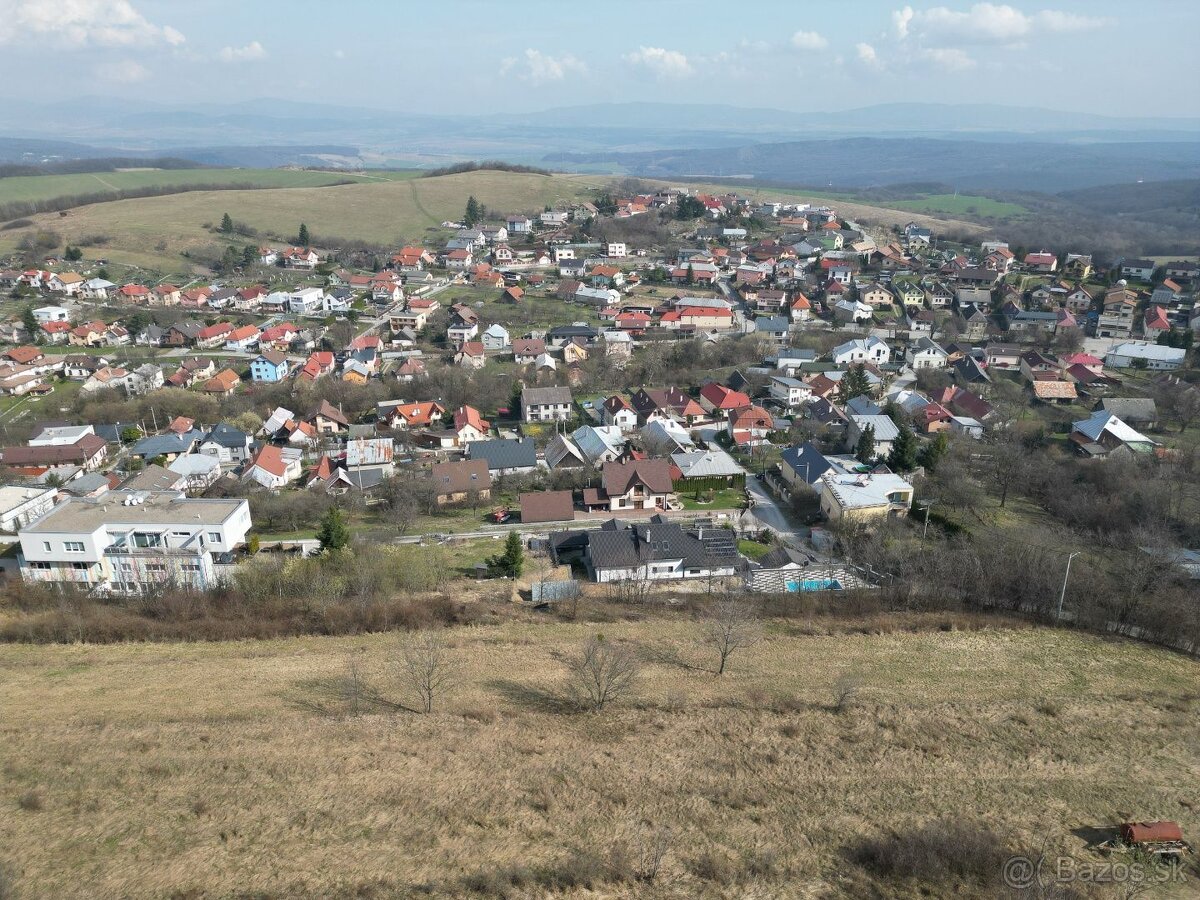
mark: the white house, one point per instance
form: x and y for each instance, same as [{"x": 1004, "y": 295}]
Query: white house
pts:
[
  {"x": 861, "y": 350},
  {"x": 926, "y": 353},
  {"x": 546, "y": 404},
  {"x": 45, "y": 314},
  {"x": 791, "y": 392},
  {"x": 131, "y": 541},
  {"x": 616, "y": 250},
  {"x": 1155, "y": 356},
  {"x": 306, "y": 301},
  {"x": 275, "y": 467}
]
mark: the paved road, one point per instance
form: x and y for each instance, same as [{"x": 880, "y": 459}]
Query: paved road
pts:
[{"x": 768, "y": 513}]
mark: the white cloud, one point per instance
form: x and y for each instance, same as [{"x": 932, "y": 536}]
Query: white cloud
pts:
[
  {"x": 951, "y": 59},
  {"x": 537, "y": 67},
  {"x": 79, "y": 23},
  {"x": 664, "y": 63},
  {"x": 125, "y": 71},
  {"x": 867, "y": 55},
  {"x": 252, "y": 51},
  {"x": 809, "y": 40},
  {"x": 986, "y": 23}
]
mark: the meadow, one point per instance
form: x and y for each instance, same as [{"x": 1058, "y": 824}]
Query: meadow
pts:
[
  {"x": 259, "y": 769},
  {"x": 41, "y": 188},
  {"x": 154, "y": 231}
]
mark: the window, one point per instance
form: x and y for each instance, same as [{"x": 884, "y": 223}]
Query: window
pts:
[
  {"x": 40, "y": 566},
  {"x": 214, "y": 536},
  {"x": 81, "y": 566},
  {"x": 144, "y": 539},
  {"x": 46, "y": 546},
  {"x": 73, "y": 546}
]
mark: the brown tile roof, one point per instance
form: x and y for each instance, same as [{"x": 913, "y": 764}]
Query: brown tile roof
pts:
[{"x": 547, "y": 506}]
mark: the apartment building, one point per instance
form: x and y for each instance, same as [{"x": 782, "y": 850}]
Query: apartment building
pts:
[{"x": 134, "y": 541}]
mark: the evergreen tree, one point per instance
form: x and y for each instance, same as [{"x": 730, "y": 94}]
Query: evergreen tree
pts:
[
  {"x": 511, "y": 562},
  {"x": 249, "y": 256},
  {"x": 473, "y": 212},
  {"x": 933, "y": 451},
  {"x": 30, "y": 321},
  {"x": 691, "y": 274},
  {"x": 72, "y": 254},
  {"x": 227, "y": 224},
  {"x": 334, "y": 533},
  {"x": 854, "y": 383},
  {"x": 864, "y": 450},
  {"x": 903, "y": 455},
  {"x": 302, "y": 237}
]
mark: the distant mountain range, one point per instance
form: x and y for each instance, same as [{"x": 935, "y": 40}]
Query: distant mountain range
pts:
[{"x": 971, "y": 145}]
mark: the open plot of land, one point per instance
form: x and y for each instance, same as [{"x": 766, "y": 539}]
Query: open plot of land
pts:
[
  {"x": 40, "y": 188},
  {"x": 234, "y": 769},
  {"x": 960, "y": 204}
]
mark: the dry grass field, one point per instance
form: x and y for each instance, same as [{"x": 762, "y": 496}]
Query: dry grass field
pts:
[
  {"x": 385, "y": 212},
  {"x": 240, "y": 769}
]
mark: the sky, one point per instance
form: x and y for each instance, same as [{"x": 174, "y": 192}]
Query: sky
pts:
[{"x": 483, "y": 56}]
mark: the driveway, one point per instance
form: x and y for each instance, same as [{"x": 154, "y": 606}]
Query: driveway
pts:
[{"x": 767, "y": 513}]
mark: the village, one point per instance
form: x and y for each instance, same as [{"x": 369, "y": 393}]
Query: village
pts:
[{"x": 721, "y": 408}]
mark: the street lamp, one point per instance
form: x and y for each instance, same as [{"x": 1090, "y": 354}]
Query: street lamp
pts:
[{"x": 1063, "y": 594}]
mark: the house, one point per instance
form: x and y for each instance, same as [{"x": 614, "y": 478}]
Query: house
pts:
[
  {"x": 88, "y": 452},
  {"x": 471, "y": 355},
  {"x": 461, "y": 332},
  {"x": 406, "y": 415},
  {"x": 637, "y": 485},
  {"x": 876, "y": 296},
  {"x": 275, "y": 467},
  {"x": 720, "y": 400},
  {"x": 300, "y": 258},
  {"x": 456, "y": 482},
  {"x": 926, "y": 353},
  {"x": 804, "y": 464},
  {"x": 45, "y": 314},
  {"x": 505, "y": 456},
  {"x": 20, "y": 505},
  {"x": 851, "y": 311},
  {"x": 1041, "y": 261},
  {"x": 328, "y": 419},
  {"x": 1138, "y": 269},
  {"x": 495, "y": 337},
  {"x": 225, "y": 444},
  {"x": 1103, "y": 433},
  {"x": 223, "y": 384},
  {"x": 578, "y": 332},
  {"x": 242, "y": 339},
  {"x": 1050, "y": 388},
  {"x": 709, "y": 466},
  {"x": 1140, "y": 411},
  {"x": 169, "y": 446},
  {"x": 790, "y": 392},
  {"x": 616, "y": 250},
  {"x": 155, "y": 478},
  {"x": 861, "y": 350},
  {"x": 655, "y": 551},
  {"x": 269, "y": 366},
  {"x": 199, "y": 472},
  {"x": 1155, "y": 323},
  {"x": 68, "y": 283},
  {"x": 526, "y": 350},
  {"x": 884, "y": 428},
  {"x": 519, "y": 224},
  {"x": 749, "y": 426},
  {"x": 1143, "y": 354},
  {"x": 129, "y": 542},
  {"x": 547, "y": 506},
  {"x": 469, "y": 425},
  {"x": 776, "y": 328},
  {"x": 863, "y": 497},
  {"x": 546, "y": 404},
  {"x": 617, "y": 411}
]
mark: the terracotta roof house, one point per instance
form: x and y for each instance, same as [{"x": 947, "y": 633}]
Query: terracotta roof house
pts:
[
  {"x": 223, "y": 383},
  {"x": 717, "y": 398}
]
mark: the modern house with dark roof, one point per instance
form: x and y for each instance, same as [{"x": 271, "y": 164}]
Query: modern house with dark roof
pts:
[
  {"x": 657, "y": 550},
  {"x": 641, "y": 484}
]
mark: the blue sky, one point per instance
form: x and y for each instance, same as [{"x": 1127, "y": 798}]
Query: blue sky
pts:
[{"x": 474, "y": 56}]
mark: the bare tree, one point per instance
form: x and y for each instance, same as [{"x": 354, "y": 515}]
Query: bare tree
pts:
[
  {"x": 1010, "y": 460},
  {"x": 733, "y": 626},
  {"x": 426, "y": 668},
  {"x": 602, "y": 672},
  {"x": 354, "y": 687}
]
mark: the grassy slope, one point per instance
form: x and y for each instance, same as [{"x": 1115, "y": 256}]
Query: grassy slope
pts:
[
  {"x": 48, "y": 187},
  {"x": 216, "y": 769},
  {"x": 382, "y": 212}
]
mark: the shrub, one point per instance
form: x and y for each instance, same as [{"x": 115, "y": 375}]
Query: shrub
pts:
[
  {"x": 30, "y": 801},
  {"x": 935, "y": 853}
]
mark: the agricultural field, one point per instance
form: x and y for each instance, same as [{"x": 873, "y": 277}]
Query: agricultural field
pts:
[
  {"x": 40, "y": 188},
  {"x": 275, "y": 769},
  {"x": 961, "y": 204}
]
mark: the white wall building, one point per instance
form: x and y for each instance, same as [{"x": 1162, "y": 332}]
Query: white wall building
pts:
[{"x": 133, "y": 541}]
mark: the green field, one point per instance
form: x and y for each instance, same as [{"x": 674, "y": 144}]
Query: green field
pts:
[{"x": 41, "y": 188}]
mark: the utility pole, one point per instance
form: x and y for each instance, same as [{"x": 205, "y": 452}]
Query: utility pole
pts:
[
  {"x": 928, "y": 504},
  {"x": 1063, "y": 594}
]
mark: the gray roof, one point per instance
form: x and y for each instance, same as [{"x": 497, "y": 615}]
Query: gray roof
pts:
[
  {"x": 885, "y": 428},
  {"x": 227, "y": 436},
  {"x": 537, "y": 396},
  {"x": 639, "y": 544},
  {"x": 715, "y": 463},
  {"x": 504, "y": 453},
  {"x": 152, "y": 478},
  {"x": 806, "y": 461},
  {"x": 1131, "y": 409},
  {"x": 772, "y": 323},
  {"x": 157, "y": 444}
]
